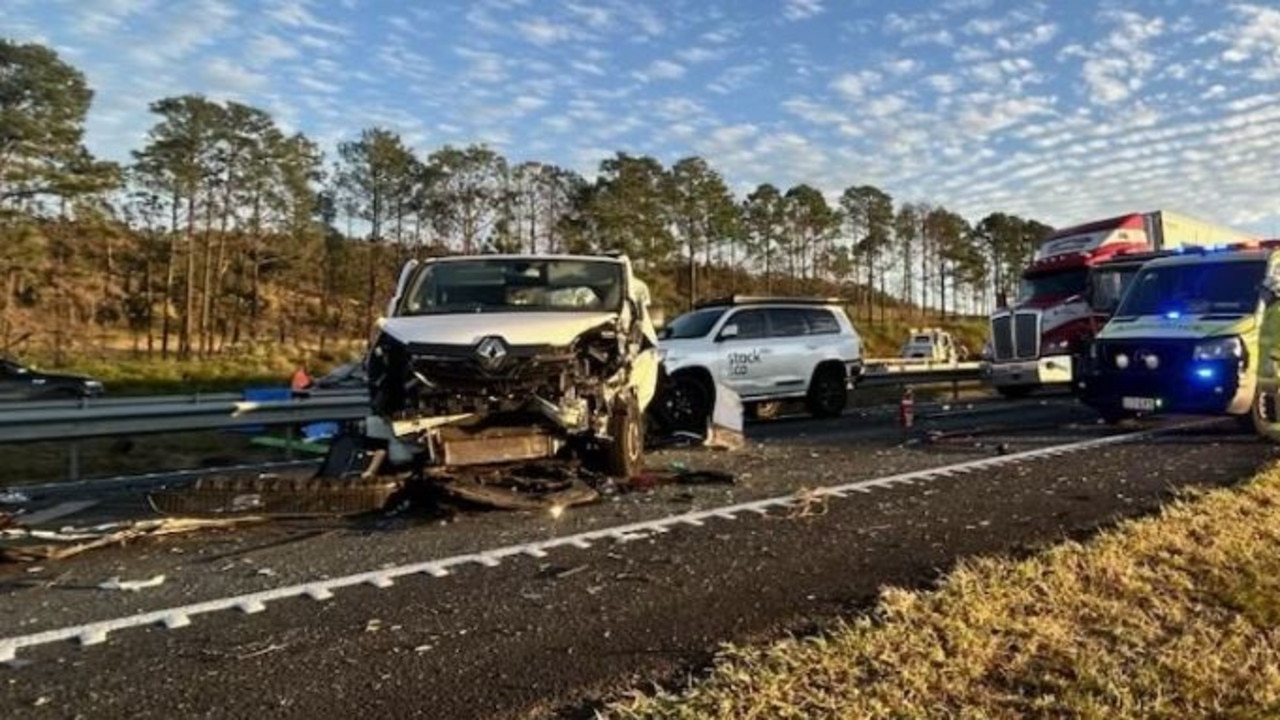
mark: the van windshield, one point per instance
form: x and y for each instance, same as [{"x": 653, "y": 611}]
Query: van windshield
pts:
[
  {"x": 1227, "y": 287},
  {"x": 515, "y": 285}
]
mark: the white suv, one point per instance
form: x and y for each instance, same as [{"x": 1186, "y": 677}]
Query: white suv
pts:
[{"x": 766, "y": 350}]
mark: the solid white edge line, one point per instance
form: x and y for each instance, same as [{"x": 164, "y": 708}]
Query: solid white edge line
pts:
[{"x": 97, "y": 632}]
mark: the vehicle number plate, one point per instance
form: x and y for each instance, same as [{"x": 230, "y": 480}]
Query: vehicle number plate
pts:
[{"x": 1138, "y": 403}]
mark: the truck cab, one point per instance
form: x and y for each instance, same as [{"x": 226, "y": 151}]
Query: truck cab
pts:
[{"x": 1185, "y": 337}]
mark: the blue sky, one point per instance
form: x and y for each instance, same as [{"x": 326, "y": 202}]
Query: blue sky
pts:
[{"x": 1065, "y": 111}]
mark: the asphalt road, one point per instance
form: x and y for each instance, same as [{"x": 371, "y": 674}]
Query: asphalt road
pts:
[{"x": 557, "y": 635}]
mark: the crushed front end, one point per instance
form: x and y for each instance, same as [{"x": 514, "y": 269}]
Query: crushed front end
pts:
[{"x": 470, "y": 383}]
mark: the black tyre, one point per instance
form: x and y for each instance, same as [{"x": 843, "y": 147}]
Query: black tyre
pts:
[
  {"x": 623, "y": 456},
  {"x": 1015, "y": 392},
  {"x": 685, "y": 404},
  {"x": 828, "y": 392}
]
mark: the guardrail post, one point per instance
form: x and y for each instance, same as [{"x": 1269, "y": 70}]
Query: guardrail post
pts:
[
  {"x": 955, "y": 390},
  {"x": 288, "y": 442}
]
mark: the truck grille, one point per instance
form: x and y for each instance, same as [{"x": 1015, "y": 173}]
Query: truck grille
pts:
[{"x": 1016, "y": 335}]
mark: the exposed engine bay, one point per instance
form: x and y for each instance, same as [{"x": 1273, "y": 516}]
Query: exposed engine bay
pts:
[{"x": 496, "y": 359}]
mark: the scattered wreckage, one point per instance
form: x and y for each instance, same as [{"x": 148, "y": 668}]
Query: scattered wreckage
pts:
[{"x": 513, "y": 381}]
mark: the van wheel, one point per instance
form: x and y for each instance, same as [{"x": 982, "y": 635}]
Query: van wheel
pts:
[
  {"x": 623, "y": 456},
  {"x": 828, "y": 392}
]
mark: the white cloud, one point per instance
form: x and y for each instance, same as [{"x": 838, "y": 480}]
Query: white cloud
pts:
[
  {"x": 297, "y": 13},
  {"x": 661, "y": 70},
  {"x": 854, "y": 86},
  {"x": 185, "y": 28},
  {"x": 266, "y": 48},
  {"x": 106, "y": 16},
  {"x": 814, "y": 112},
  {"x": 1256, "y": 39},
  {"x": 902, "y": 66},
  {"x": 944, "y": 84},
  {"x": 486, "y": 67},
  {"x": 885, "y": 105},
  {"x": 594, "y": 16},
  {"x": 802, "y": 9},
  {"x": 225, "y": 75},
  {"x": 1023, "y": 41},
  {"x": 698, "y": 55},
  {"x": 541, "y": 31},
  {"x": 1116, "y": 68}
]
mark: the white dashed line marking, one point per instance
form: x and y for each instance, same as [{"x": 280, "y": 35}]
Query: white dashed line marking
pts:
[{"x": 97, "y": 632}]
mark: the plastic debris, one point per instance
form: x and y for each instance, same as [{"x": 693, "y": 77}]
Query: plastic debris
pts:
[{"x": 116, "y": 583}]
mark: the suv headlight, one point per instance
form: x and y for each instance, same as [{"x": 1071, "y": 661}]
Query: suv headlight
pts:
[
  {"x": 1221, "y": 348},
  {"x": 1057, "y": 346}
]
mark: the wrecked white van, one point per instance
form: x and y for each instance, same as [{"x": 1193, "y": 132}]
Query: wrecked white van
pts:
[{"x": 503, "y": 358}]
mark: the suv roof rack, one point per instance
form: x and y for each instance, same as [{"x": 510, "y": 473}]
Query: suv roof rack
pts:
[{"x": 766, "y": 300}]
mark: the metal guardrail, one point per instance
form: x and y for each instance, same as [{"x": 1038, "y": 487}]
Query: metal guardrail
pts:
[
  {"x": 74, "y": 422},
  {"x": 150, "y": 400},
  {"x": 889, "y": 372}
]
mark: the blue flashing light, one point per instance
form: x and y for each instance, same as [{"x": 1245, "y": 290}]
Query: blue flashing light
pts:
[
  {"x": 1205, "y": 373},
  {"x": 1173, "y": 314}
]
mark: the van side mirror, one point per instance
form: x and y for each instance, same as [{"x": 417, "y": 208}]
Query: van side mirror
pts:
[{"x": 729, "y": 332}]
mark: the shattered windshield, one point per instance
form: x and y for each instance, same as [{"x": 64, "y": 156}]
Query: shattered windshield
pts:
[
  {"x": 1216, "y": 287},
  {"x": 515, "y": 285}
]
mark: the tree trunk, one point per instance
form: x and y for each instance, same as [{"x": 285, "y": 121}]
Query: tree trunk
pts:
[
  {"x": 693, "y": 276},
  {"x": 206, "y": 284},
  {"x": 184, "y": 332}
]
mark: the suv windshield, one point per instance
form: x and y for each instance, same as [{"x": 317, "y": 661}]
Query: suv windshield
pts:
[
  {"x": 514, "y": 285},
  {"x": 692, "y": 325},
  {"x": 1212, "y": 287},
  {"x": 1056, "y": 285}
]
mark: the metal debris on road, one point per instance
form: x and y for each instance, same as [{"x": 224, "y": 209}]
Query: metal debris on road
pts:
[
  {"x": 275, "y": 496},
  {"x": 28, "y": 545},
  {"x": 116, "y": 583}
]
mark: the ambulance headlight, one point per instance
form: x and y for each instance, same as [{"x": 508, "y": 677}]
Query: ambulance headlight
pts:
[{"x": 1223, "y": 348}]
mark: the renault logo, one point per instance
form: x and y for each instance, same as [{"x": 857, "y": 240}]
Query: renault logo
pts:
[{"x": 491, "y": 351}]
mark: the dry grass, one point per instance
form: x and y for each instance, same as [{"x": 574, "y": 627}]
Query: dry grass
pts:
[{"x": 1174, "y": 616}]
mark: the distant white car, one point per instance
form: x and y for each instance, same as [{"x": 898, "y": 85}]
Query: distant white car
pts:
[
  {"x": 766, "y": 350},
  {"x": 930, "y": 344}
]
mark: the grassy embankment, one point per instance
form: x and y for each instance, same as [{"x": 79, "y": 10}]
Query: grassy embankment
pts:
[{"x": 1173, "y": 616}]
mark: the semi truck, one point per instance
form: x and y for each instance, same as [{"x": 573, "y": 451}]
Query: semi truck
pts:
[{"x": 1041, "y": 338}]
